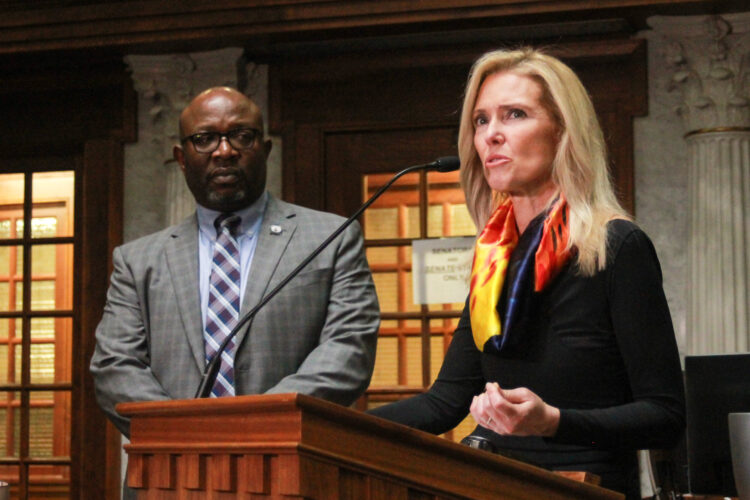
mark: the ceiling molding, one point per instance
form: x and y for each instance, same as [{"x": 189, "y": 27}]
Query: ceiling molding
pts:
[{"x": 155, "y": 26}]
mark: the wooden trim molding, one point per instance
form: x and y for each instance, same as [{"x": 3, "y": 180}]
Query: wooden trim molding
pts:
[{"x": 165, "y": 25}]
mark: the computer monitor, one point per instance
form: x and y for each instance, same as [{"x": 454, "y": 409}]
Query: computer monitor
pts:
[{"x": 715, "y": 386}]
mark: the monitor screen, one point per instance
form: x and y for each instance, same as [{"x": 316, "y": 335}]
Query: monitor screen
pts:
[{"x": 715, "y": 386}]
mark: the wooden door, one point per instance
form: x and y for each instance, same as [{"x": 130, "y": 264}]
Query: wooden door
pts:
[{"x": 60, "y": 217}]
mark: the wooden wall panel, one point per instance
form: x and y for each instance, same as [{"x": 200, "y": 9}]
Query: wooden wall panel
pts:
[
  {"x": 342, "y": 116},
  {"x": 166, "y": 25},
  {"x": 79, "y": 114}
]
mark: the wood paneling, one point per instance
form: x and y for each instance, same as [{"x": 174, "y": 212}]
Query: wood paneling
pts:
[
  {"x": 319, "y": 451},
  {"x": 81, "y": 121},
  {"x": 159, "y": 25}
]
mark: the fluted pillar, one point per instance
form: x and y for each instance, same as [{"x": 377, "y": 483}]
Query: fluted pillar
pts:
[
  {"x": 719, "y": 252},
  {"x": 710, "y": 58}
]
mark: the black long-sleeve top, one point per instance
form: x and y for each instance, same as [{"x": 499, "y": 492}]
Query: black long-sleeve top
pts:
[{"x": 601, "y": 349}]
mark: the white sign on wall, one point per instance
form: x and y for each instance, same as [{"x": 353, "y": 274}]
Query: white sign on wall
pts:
[{"x": 441, "y": 269}]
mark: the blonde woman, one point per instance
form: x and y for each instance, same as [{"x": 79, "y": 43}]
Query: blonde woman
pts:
[{"x": 565, "y": 353}]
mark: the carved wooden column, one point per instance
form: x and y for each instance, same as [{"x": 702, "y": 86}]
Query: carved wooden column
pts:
[
  {"x": 165, "y": 85},
  {"x": 710, "y": 57}
]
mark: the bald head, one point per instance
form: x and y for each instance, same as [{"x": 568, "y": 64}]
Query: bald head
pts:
[
  {"x": 233, "y": 174},
  {"x": 218, "y": 99}
]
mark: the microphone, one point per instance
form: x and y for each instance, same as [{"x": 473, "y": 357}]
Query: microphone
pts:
[{"x": 442, "y": 164}]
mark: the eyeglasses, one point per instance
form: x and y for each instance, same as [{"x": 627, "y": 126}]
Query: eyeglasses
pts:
[{"x": 208, "y": 142}]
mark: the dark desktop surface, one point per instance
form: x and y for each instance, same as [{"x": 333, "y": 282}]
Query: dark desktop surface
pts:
[{"x": 715, "y": 386}]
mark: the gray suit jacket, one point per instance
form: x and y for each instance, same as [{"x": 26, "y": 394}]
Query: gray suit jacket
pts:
[{"x": 316, "y": 337}]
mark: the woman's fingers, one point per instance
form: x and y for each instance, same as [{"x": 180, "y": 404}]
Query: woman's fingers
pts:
[{"x": 518, "y": 412}]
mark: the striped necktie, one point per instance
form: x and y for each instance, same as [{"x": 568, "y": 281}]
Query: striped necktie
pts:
[{"x": 223, "y": 301}]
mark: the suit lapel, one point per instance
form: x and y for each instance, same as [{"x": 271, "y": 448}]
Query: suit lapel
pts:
[
  {"x": 274, "y": 235},
  {"x": 182, "y": 260}
]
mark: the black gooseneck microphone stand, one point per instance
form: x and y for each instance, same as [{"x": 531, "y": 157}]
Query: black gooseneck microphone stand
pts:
[{"x": 442, "y": 164}]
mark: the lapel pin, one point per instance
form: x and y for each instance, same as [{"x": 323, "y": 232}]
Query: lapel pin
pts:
[{"x": 275, "y": 229}]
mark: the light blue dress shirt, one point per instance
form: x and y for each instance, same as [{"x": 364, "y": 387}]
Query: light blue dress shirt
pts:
[{"x": 247, "y": 238}]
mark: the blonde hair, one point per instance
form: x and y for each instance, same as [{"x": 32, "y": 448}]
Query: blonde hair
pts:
[{"x": 579, "y": 169}]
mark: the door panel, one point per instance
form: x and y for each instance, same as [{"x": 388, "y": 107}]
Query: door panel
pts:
[{"x": 351, "y": 154}]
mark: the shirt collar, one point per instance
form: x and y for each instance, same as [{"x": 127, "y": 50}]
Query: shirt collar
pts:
[{"x": 250, "y": 216}]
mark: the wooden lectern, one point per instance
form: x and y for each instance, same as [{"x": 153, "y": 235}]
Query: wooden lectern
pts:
[{"x": 290, "y": 446}]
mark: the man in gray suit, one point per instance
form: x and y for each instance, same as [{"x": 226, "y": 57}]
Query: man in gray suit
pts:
[{"x": 316, "y": 337}]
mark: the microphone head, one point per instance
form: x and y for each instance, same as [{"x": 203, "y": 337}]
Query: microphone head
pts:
[{"x": 446, "y": 164}]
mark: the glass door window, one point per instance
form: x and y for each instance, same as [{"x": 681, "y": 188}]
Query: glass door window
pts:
[
  {"x": 413, "y": 338},
  {"x": 36, "y": 331}
]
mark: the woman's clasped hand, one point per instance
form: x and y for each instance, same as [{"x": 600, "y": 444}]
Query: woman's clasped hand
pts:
[{"x": 516, "y": 412}]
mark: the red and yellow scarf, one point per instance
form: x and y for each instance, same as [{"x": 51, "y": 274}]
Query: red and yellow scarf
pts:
[{"x": 491, "y": 257}]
